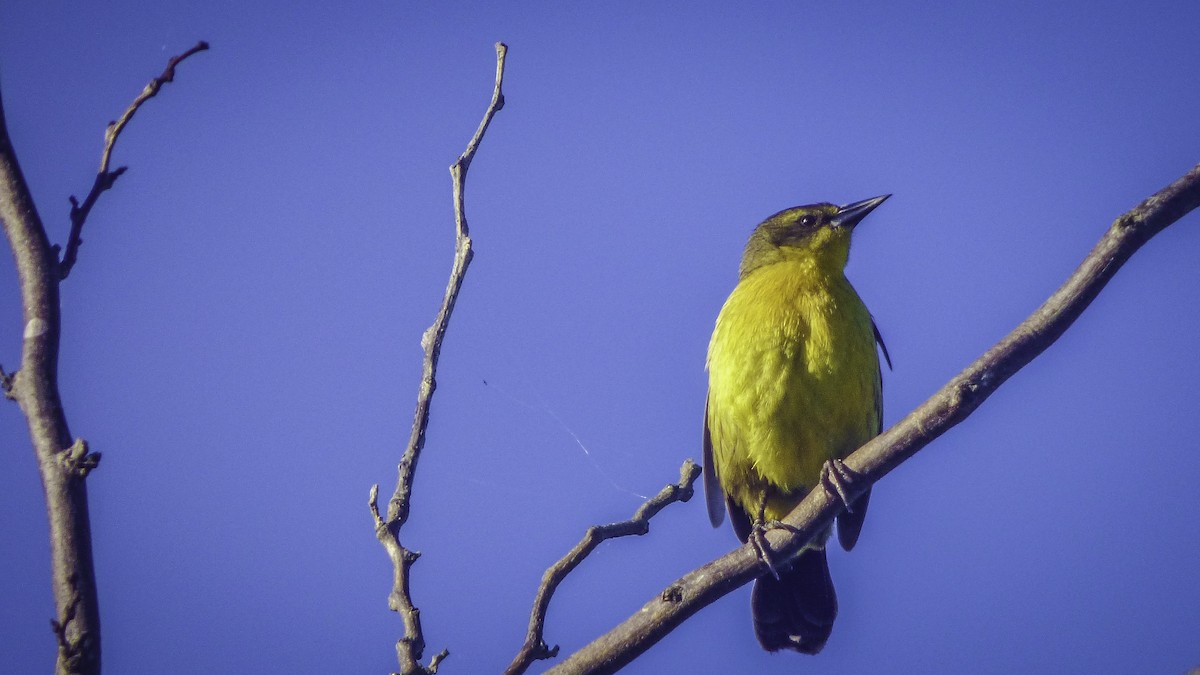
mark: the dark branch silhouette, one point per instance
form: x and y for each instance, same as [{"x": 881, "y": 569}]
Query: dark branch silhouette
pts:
[
  {"x": 105, "y": 178},
  {"x": 410, "y": 647}
]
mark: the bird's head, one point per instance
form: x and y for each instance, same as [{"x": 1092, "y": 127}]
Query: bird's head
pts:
[{"x": 817, "y": 233}]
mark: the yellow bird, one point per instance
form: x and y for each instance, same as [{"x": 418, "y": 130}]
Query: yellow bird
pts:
[{"x": 793, "y": 383}]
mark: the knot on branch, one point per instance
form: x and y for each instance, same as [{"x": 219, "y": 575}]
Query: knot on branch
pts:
[
  {"x": 74, "y": 652},
  {"x": 413, "y": 643},
  {"x": 77, "y": 460},
  {"x": 6, "y": 384},
  {"x": 544, "y": 651},
  {"x": 1125, "y": 222},
  {"x": 397, "y": 512},
  {"x": 428, "y": 337},
  {"x": 971, "y": 391},
  {"x": 409, "y": 649},
  {"x": 60, "y": 627}
]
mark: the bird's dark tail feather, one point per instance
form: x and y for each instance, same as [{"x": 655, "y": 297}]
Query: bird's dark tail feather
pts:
[{"x": 797, "y": 610}]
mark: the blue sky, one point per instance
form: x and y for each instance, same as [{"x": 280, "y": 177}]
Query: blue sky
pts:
[{"x": 241, "y": 334}]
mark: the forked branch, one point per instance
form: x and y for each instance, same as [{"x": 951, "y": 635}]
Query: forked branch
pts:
[{"x": 62, "y": 462}]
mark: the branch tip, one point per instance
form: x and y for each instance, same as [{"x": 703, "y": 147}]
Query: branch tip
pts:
[
  {"x": 437, "y": 660},
  {"x": 104, "y": 177},
  {"x": 373, "y": 504}
]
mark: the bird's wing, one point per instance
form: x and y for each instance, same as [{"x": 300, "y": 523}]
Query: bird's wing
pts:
[
  {"x": 883, "y": 348},
  {"x": 714, "y": 496},
  {"x": 850, "y": 522},
  {"x": 742, "y": 525}
]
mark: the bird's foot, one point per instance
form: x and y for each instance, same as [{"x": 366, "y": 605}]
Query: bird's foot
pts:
[
  {"x": 835, "y": 477},
  {"x": 762, "y": 547}
]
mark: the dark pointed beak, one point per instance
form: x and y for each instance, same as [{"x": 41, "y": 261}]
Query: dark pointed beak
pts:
[{"x": 851, "y": 214}]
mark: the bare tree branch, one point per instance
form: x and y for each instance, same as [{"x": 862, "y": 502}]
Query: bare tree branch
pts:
[
  {"x": 105, "y": 178},
  {"x": 62, "y": 463},
  {"x": 410, "y": 648},
  {"x": 949, "y": 406},
  {"x": 535, "y": 646}
]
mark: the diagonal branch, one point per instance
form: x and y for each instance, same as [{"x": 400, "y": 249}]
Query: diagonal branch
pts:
[
  {"x": 949, "y": 406},
  {"x": 104, "y": 177},
  {"x": 409, "y": 649},
  {"x": 535, "y": 646}
]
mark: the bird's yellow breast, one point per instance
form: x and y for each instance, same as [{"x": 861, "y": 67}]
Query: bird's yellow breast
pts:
[{"x": 793, "y": 382}]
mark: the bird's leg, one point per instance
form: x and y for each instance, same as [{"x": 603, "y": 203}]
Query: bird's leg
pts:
[
  {"x": 835, "y": 476},
  {"x": 757, "y": 537},
  {"x": 757, "y": 530}
]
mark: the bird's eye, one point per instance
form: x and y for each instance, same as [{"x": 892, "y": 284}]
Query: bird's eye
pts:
[{"x": 808, "y": 221}]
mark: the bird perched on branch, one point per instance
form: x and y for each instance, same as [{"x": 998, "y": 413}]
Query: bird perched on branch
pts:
[{"x": 794, "y": 385}]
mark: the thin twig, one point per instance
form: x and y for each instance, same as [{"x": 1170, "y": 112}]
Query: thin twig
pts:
[
  {"x": 410, "y": 648},
  {"x": 535, "y": 646},
  {"x": 105, "y": 178},
  {"x": 949, "y": 406}
]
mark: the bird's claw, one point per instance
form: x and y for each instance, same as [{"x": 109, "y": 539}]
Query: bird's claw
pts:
[
  {"x": 758, "y": 539},
  {"x": 835, "y": 476}
]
